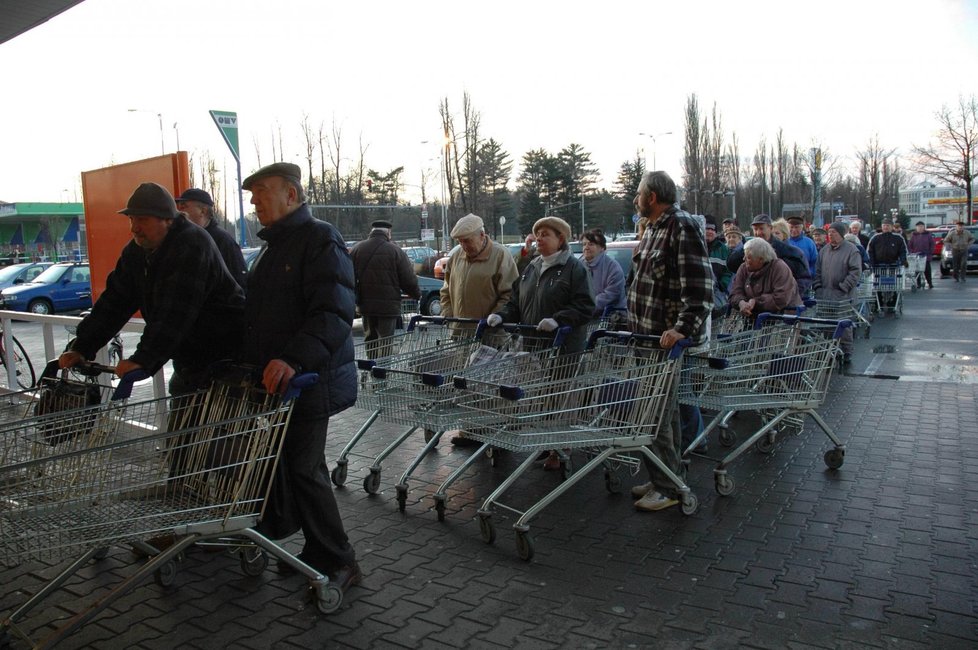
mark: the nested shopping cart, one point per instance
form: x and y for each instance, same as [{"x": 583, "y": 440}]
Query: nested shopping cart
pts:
[
  {"x": 781, "y": 370},
  {"x": 427, "y": 340},
  {"x": 609, "y": 400},
  {"x": 915, "y": 271},
  {"x": 416, "y": 388},
  {"x": 889, "y": 283},
  {"x": 854, "y": 309},
  {"x": 113, "y": 475}
]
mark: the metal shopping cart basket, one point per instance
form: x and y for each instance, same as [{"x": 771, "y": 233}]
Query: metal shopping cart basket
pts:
[
  {"x": 620, "y": 392},
  {"x": 888, "y": 284},
  {"x": 915, "y": 271},
  {"x": 207, "y": 478},
  {"x": 431, "y": 340},
  {"x": 781, "y": 369},
  {"x": 425, "y": 396},
  {"x": 417, "y": 388},
  {"x": 853, "y": 309}
]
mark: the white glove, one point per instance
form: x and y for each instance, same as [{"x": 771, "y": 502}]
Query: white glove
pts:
[
  {"x": 548, "y": 325},
  {"x": 494, "y": 320}
]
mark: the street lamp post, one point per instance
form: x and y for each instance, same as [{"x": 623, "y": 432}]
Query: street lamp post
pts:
[
  {"x": 159, "y": 116},
  {"x": 502, "y": 230},
  {"x": 733, "y": 203},
  {"x": 653, "y": 137}
]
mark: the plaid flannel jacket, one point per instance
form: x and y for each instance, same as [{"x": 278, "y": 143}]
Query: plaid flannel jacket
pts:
[{"x": 673, "y": 283}]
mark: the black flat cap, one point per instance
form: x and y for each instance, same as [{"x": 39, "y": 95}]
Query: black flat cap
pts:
[
  {"x": 288, "y": 171},
  {"x": 151, "y": 200},
  {"x": 194, "y": 194},
  {"x": 381, "y": 223},
  {"x": 761, "y": 218}
]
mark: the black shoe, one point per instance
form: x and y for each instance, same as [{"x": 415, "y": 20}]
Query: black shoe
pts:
[
  {"x": 846, "y": 359},
  {"x": 462, "y": 441},
  {"x": 347, "y": 577}
]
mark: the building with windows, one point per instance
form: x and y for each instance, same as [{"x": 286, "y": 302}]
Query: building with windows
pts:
[
  {"x": 935, "y": 205},
  {"x": 41, "y": 232}
]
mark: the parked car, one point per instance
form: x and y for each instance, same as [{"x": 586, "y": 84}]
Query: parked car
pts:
[
  {"x": 622, "y": 252},
  {"x": 430, "y": 303},
  {"x": 439, "y": 270},
  {"x": 20, "y": 273},
  {"x": 423, "y": 258},
  {"x": 60, "y": 288},
  {"x": 972, "y": 255}
]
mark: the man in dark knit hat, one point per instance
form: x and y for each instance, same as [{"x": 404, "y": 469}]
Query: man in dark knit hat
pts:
[
  {"x": 172, "y": 272},
  {"x": 199, "y": 208}
]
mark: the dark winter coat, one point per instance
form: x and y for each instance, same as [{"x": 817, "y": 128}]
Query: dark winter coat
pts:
[
  {"x": 562, "y": 292},
  {"x": 789, "y": 254},
  {"x": 300, "y": 309},
  {"x": 229, "y": 249},
  {"x": 383, "y": 272},
  {"x": 192, "y": 307}
]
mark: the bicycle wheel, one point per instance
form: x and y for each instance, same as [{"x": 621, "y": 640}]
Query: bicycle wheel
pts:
[{"x": 25, "y": 369}]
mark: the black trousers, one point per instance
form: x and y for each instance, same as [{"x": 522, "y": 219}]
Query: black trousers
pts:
[{"x": 313, "y": 505}]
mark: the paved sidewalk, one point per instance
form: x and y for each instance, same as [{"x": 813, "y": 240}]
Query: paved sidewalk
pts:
[{"x": 881, "y": 553}]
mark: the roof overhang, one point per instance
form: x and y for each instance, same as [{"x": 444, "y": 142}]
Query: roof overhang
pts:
[{"x": 18, "y": 16}]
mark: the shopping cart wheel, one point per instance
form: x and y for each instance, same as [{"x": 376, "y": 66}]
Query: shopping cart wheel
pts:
[
  {"x": 166, "y": 575},
  {"x": 724, "y": 485},
  {"x": 338, "y": 475},
  {"x": 690, "y": 504},
  {"x": 402, "y": 490},
  {"x": 486, "y": 529},
  {"x": 524, "y": 545},
  {"x": 330, "y": 601},
  {"x": 766, "y": 444},
  {"x": 612, "y": 482},
  {"x": 439, "y": 506},
  {"x": 834, "y": 458},
  {"x": 254, "y": 561},
  {"x": 868, "y": 328},
  {"x": 428, "y": 435},
  {"x": 371, "y": 483},
  {"x": 727, "y": 437}
]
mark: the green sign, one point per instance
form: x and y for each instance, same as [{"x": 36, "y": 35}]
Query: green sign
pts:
[{"x": 227, "y": 124}]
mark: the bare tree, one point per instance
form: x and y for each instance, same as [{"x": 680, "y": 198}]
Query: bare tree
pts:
[
  {"x": 692, "y": 163},
  {"x": 952, "y": 157},
  {"x": 310, "y": 143},
  {"x": 878, "y": 182}
]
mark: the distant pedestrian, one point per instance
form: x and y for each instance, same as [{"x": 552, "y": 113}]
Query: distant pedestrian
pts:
[
  {"x": 199, "y": 208},
  {"x": 921, "y": 244},
  {"x": 818, "y": 238},
  {"x": 959, "y": 240},
  {"x": 801, "y": 241},
  {"x": 856, "y": 228},
  {"x": 383, "y": 273}
]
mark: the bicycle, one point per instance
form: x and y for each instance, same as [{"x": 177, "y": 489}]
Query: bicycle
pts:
[
  {"x": 114, "y": 347},
  {"x": 24, "y": 368}
]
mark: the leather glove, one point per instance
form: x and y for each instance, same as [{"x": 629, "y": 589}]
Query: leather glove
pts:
[
  {"x": 547, "y": 325},
  {"x": 494, "y": 320}
]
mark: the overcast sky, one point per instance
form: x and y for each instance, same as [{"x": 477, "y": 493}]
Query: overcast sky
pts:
[{"x": 542, "y": 74}]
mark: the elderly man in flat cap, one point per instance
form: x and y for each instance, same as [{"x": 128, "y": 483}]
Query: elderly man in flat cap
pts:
[
  {"x": 479, "y": 277},
  {"x": 199, "y": 208},
  {"x": 837, "y": 274},
  {"x": 299, "y": 319},
  {"x": 383, "y": 273},
  {"x": 172, "y": 272}
]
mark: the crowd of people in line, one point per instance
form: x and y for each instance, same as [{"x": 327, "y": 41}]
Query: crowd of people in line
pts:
[{"x": 293, "y": 311}]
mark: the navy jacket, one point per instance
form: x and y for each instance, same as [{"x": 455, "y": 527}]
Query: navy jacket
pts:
[
  {"x": 300, "y": 309},
  {"x": 229, "y": 249}
]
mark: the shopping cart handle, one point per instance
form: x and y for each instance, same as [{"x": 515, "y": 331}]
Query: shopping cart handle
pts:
[
  {"x": 298, "y": 383},
  {"x": 438, "y": 320},
  {"x": 432, "y": 379},
  {"x": 675, "y": 351},
  {"x": 840, "y": 325},
  {"x": 366, "y": 364},
  {"x": 512, "y": 393},
  {"x": 124, "y": 389},
  {"x": 560, "y": 334}
]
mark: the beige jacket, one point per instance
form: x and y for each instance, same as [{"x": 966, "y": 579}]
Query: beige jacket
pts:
[{"x": 479, "y": 287}]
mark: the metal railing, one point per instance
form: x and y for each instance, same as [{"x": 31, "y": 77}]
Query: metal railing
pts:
[{"x": 52, "y": 351}]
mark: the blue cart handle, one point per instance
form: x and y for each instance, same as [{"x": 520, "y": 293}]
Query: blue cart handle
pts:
[
  {"x": 840, "y": 325},
  {"x": 626, "y": 337},
  {"x": 298, "y": 383}
]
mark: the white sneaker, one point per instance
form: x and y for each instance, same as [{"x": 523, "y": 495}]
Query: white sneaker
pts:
[
  {"x": 653, "y": 502},
  {"x": 640, "y": 491}
]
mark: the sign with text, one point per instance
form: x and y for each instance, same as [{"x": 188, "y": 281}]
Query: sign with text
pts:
[
  {"x": 227, "y": 124},
  {"x": 428, "y": 234}
]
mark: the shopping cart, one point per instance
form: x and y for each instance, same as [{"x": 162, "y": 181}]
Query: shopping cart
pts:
[
  {"x": 620, "y": 391},
  {"x": 417, "y": 389},
  {"x": 888, "y": 284},
  {"x": 853, "y": 309},
  {"x": 915, "y": 272},
  {"x": 134, "y": 481},
  {"x": 431, "y": 338},
  {"x": 426, "y": 395},
  {"x": 781, "y": 369},
  {"x": 733, "y": 321}
]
